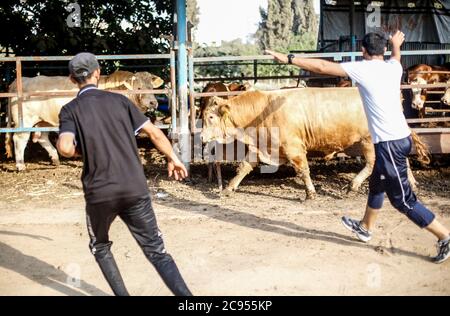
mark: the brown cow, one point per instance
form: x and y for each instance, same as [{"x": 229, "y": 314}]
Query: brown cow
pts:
[
  {"x": 204, "y": 101},
  {"x": 419, "y": 75},
  {"x": 344, "y": 83},
  {"x": 220, "y": 87},
  {"x": 326, "y": 120}
]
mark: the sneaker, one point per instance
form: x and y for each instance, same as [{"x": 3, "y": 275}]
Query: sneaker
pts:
[
  {"x": 355, "y": 227},
  {"x": 443, "y": 248}
]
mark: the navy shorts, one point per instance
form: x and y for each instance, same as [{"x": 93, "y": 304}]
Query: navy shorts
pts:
[{"x": 390, "y": 176}]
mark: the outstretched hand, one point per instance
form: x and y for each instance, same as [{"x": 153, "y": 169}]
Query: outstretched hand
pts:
[
  {"x": 176, "y": 169},
  {"x": 280, "y": 57},
  {"x": 397, "y": 39}
]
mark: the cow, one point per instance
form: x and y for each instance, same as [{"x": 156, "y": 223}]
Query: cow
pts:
[
  {"x": 344, "y": 83},
  {"x": 420, "y": 75},
  {"x": 326, "y": 120},
  {"x": 220, "y": 87},
  {"x": 204, "y": 101},
  {"x": 41, "y": 111},
  {"x": 446, "y": 98}
]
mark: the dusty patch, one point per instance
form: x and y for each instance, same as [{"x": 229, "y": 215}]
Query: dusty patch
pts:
[{"x": 264, "y": 240}]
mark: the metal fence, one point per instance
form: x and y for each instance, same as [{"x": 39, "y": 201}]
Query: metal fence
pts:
[
  {"x": 171, "y": 93},
  {"x": 335, "y": 56},
  {"x": 20, "y": 94}
]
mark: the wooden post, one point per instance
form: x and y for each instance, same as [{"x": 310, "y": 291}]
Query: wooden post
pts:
[{"x": 19, "y": 90}]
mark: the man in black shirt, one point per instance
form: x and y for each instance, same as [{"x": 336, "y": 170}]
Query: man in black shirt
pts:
[{"x": 101, "y": 126}]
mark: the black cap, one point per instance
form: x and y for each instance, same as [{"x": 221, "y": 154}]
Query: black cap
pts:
[{"x": 83, "y": 64}]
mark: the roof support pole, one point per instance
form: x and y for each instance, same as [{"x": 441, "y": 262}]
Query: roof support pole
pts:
[{"x": 184, "y": 134}]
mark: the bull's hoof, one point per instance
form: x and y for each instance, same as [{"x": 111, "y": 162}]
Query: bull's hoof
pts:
[
  {"x": 20, "y": 167},
  {"x": 311, "y": 195},
  {"x": 55, "y": 162},
  {"x": 227, "y": 192},
  {"x": 352, "y": 188}
]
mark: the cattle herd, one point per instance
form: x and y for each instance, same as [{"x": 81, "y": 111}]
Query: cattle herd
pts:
[{"x": 295, "y": 121}]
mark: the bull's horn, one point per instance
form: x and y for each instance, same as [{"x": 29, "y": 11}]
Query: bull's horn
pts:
[{"x": 157, "y": 82}]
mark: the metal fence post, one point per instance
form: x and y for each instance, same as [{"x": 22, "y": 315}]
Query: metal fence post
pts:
[
  {"x": 184, "y": 135},
  {"x": 173, "y": 96},
  {"x": 192, "y": 111}
]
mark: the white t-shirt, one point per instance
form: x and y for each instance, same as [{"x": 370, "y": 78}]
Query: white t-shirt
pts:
[{"x": 378, "y": 82}]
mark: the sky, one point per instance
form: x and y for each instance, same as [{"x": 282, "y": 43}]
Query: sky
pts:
[{"x": 230, "y": 19}]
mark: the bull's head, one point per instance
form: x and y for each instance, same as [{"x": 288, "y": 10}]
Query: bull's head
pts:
[
  {"x": 419, "y": 94},
  {"x": 144, "y": 81},
  {"x": 446, "y": 98},
  {"x": 217, "y": 121}
]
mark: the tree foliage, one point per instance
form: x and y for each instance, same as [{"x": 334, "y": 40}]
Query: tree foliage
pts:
[
  {"x": 192, "y": 11},
  {"x": 288, "y": 25},
  {"x": 106, "y": 27},
  {"x": 49, "y": 27},
  {"x": 226, "y": 70}
]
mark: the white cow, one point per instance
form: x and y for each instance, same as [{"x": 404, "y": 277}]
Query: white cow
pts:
[
  {"x": 44, "y": 111},
  {"x": 446, "y": 98}
]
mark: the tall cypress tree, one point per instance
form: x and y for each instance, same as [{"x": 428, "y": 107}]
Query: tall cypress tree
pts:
[
  {"x": 287, "y": 24},
  {"x": 276, "y": 25}
]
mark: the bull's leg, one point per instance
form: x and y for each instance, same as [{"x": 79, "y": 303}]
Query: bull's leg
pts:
[
  {"x": 301, "y": 167},
  {"x": 20, "y": 143},
  {"x": 368, "y": 151},
  {"x": 47, "y": 145},
  {"x": 219, "y": 174},
  {"x": 411, "y": 178},
  {"x": 243, "y": 170},
  {"x": 210, "y": 172}
]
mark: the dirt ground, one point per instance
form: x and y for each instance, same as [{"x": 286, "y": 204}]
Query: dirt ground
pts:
[{"x": 264, "y": 240}]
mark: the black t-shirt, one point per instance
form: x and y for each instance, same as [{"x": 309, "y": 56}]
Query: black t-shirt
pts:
[{"x": 105, "y": 125}]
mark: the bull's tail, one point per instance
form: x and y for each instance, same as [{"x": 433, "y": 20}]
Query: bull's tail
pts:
[
  {"x": 422, "y": 150},
  {"x": 8, "y": 145}
]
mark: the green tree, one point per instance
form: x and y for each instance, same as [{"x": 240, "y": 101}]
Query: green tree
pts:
[
  {"x": 288, "y": 25},
  {"x": 275, "y": 29},
  {"x": 192, "y": 11},
  {"x": 304, "y": 19},
  {"x": 46, "y": 27},
  {"x": 106, "y": 27},
  {"x": 229, "y": 69}
]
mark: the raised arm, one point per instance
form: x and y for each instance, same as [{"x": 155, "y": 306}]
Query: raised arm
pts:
[
  {"x": 319, "y": 66},
  {"x": 175, "y": 166},
  {"x": 396, "y": 41}
]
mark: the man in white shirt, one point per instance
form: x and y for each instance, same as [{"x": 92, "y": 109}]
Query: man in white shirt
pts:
[{"x": 378, "y": 82}]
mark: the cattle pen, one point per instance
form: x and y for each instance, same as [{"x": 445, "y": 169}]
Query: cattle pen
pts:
[
  {"x": 438, "y": 138},
  {"x": 20, "y": 95},
  {"x": 266, "y": 238}
]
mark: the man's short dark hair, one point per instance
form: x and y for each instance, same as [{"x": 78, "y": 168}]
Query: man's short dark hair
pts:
[
  {"x": 374, "y": 43},
  {"x": 82, "y": 80}
]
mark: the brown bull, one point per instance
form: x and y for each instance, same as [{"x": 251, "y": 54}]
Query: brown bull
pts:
[
  {"x": 326, "y": 120},
  {"x": 204, "y": 101}
]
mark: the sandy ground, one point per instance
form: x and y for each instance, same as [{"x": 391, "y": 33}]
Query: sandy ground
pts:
[{"x": 264, "y": 240}]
